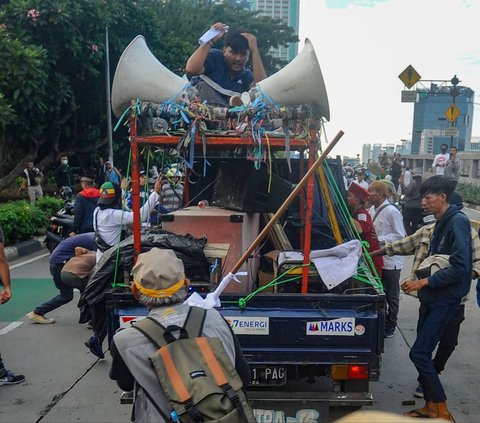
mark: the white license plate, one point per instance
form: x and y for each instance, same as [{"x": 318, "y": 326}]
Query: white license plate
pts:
[{"x": 268, "y": 375}]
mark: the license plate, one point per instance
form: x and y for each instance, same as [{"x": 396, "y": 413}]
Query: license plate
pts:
[{"x": 268, "y": 375}]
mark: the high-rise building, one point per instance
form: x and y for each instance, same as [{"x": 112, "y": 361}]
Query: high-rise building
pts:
[
  {"x": 288, "y": 12},
  {"x": 366, "y": 153},
  {"x": 430, "y": 114}
]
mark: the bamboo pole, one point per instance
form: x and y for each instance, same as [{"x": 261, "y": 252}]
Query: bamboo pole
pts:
[{"x": 286, "y": 203}]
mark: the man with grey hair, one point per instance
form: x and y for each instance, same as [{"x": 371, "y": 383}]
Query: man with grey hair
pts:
[{"x": 159, "y": 283}]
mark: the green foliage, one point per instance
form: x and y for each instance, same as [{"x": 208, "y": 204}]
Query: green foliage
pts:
[
  {"x": 469, "y": 192},
  {"x": 49, "y": 205},
  {"x": 20, "y": 220}
]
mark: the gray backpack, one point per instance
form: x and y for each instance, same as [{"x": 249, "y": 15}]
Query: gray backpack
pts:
[{"x": 195, "y": 373}]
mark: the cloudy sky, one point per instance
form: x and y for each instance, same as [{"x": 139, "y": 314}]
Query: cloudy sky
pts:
[{"x": 362, "y": 47}]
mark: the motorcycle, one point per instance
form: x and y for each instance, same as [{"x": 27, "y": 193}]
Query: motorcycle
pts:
[{"x": 61, "y": 223}]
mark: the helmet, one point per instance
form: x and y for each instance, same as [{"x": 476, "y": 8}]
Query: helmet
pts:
[
  {"x": 174, "y": 173},
  {"x": 109, "y": 193},
  {"x": 66, "y": 193}
]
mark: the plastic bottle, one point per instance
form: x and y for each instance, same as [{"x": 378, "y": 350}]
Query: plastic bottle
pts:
[
  {"x": 203, "y": 203},
  {"x": 174, "y": 417}
]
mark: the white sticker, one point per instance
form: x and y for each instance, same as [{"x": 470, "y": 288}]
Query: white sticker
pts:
[
  {"x": 343, "y": 326},
  {"x": 127, "y": 321},
  {"x": 277, "y": 416},
  {"x": 359, "y": 330},
  {"x": 248, "y": 325}
]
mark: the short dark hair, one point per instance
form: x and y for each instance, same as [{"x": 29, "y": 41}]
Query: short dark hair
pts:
[
  {"x": 437, "y": 185},
  {"x": 446, "y": 145},
  {"x": 235, "y": 40}
]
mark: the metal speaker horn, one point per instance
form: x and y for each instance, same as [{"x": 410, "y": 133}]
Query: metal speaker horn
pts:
[
  {"x": 139, "y": 74},
  {"x": 300, "y": 82}
]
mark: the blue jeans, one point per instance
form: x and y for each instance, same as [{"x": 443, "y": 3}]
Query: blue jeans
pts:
[
  {"x": 432, "y": 321},
  {"x": 2, "y": 366},
  {"x": 66, "y": 292}
]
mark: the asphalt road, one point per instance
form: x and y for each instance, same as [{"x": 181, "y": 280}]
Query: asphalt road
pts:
[{"x": 66, "y": 383}]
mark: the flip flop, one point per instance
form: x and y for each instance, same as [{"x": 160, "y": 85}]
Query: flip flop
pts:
[{"x": 417, "y": 414}]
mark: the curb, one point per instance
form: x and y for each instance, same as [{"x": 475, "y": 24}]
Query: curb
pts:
[{"x": 24, "y": 248}]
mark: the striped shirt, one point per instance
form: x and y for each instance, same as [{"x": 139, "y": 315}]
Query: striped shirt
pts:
[
  {"x": 418, "y": 244},
  {"x": 171, "y": 196}
]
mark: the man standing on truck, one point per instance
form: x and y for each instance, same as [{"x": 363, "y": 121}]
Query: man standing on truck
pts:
[
  {"x": 220, "y": 75},
  {"x": 388, "y": 224},
  {"x": 440, "y": 294}
]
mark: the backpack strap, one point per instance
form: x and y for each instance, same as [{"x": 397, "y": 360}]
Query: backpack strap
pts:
[
  {"x": 219, "y": 375},
  {"x": 194, "y": 321},
  {"x": 153, "y": 330}
]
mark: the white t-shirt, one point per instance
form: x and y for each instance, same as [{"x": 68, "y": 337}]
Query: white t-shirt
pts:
[
  {"x": 439, "y": 163},
  {"x": 363, "y": 184}
]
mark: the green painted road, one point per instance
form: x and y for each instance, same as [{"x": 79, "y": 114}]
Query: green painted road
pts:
[{"x": 27, "y": 294}]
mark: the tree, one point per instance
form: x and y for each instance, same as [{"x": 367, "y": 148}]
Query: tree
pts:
[{"x": 52, "y": 71}]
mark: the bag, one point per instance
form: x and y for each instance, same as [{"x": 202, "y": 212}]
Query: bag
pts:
[
  {"x": 431, "y": 265},
  {"x": 195, "y": 372}
]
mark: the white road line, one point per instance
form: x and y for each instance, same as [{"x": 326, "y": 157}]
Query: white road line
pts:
[
  {"x": 10, "y": 327},
  {"x": 29, "y": 261}
]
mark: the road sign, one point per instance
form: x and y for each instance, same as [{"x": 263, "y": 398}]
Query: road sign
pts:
[
  {"x": 452, "y": 112},
  {"x": 409, "y": 76},
  {"x": 451, "y": 132},
  {"x": 409, "y": 96}
]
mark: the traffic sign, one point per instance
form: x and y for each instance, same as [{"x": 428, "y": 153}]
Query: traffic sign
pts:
[
  {"x": 409, "y": 96},
  {"x": 451, "y": 132},
  {"x": 452, "y": 112},
  {"x": 409, "y": 76}
]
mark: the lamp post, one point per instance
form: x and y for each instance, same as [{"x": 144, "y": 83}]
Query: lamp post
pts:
[{"x": 454, "y": 92}]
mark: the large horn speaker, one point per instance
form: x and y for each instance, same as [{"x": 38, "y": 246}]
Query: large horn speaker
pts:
[
  {"x": 300, "y": 82},
  {"x": 139, "y": 74}
]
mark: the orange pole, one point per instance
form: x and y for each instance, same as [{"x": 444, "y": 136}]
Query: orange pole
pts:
[
  {"x": 301, "y": 200},
  {"x": 137, "y": 242},
  {"x": 312, "y": 154}
]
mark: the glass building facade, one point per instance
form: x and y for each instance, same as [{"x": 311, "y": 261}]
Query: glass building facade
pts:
[{"x": 429, "y": 115}]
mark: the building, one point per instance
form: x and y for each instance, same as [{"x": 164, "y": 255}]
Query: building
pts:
[
  {"x": 288, "y": 12},
  {"x": 366, "y": 153},
  {"x": 430, "y": 114}
]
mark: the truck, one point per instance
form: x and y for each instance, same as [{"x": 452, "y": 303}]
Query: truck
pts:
[{"x": 309, "y": 347}]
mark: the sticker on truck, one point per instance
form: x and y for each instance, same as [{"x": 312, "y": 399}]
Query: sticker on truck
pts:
[
  {"x": 343, "y": 326},
  {"x": 248, "y": 325}
]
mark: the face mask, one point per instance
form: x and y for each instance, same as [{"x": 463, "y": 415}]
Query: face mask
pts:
[{"x": 64, "y": 162}]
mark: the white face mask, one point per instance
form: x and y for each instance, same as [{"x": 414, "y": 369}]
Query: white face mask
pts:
[{"x": 64, "y": 162}]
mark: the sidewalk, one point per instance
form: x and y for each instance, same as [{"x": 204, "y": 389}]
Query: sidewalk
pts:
[{"x": 25, "y": 248}]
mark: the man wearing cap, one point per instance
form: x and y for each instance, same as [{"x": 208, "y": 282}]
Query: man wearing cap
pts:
[
  {"x": 85, "y": 203},
  {"x": 356, "y": 199},
  {"x": 388, "y": 224},
  {"x": 160, "y": 285},
  {"x": 109, "y": 220}
]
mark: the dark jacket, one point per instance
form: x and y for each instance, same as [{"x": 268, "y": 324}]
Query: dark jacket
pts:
[
  {"x": 64, "y": 176},
  {"x": 451, "y": 236},
  {"x": 85, "y": 203},
  {"x": 413, "y": 198}
]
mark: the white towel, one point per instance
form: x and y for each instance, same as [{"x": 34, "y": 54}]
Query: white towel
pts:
[{"x": 337, "y": 264}]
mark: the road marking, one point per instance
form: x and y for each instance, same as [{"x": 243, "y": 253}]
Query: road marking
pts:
[
  {"x": 29, "y": 261},
  {"x": 10, "y": 327}
]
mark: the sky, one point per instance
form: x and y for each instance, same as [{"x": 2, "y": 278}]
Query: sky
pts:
[{"x": 363, "y": 45}]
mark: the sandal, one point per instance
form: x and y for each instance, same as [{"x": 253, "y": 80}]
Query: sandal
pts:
[{"x": 417, "y": 414}]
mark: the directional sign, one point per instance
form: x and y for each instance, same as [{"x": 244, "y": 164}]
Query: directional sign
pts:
[
  {"x": 452, "y": 113},
  {"x": 409, "y": 96},
  {"x": 409, "y": 76},
  {"x": 451, "y": 132}
]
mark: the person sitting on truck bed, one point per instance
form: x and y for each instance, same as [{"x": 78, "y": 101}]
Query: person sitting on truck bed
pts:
[
  {"x": 356, "y": 198},
  {"x": 220, "y": 75},
  {"x": 160, "y": 285},
  {"x": 441, "y": 293},
  {"x": 388, "y": 224}
]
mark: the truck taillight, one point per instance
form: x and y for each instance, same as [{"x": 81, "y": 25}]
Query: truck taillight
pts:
[{"x": 349, "y": 371}]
